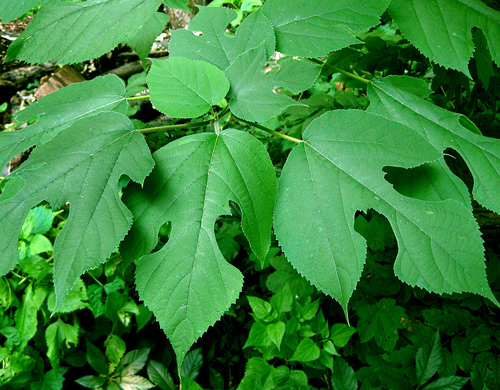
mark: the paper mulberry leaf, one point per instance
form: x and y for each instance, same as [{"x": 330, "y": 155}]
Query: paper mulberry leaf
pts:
[
  {"x": 182, "y": 88},
  {"x": 82, "y": 166},
  {"x": 442, "y": 29},
  {"x": 188, "y": 284},
  {"x": 207, "y": 39},
  {"x": 10, "y": 10},
  {"x": 59, "y": 110},
  {"x": 177, "y": 4},
  {"x": 76, "y": 32},
  {"x": 443, "y": 129},
  {"x": 337, "y": 171},
  {"x": 144, "y": 38},
  {"x": 252, "y": 92},
  {"x": 313, "y": 28}
]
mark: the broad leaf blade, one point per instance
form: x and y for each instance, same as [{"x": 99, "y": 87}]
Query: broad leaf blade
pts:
[
  {"x": 442, "y": 29},
  {"x": 337, "y": 171},
  {"x": 252, "y": 92},
  {"x": 429, "y": 358},
  {"x": 59, "y": 110},
  {"x": 207, "y": 40},
  {"x": 76, "y": 32},
  {"x": 183, "y": 88},
  {"x": 188, "y": 284},
  {"x": 82, "y": 166},
  {"x": 313, "y": 28},
  {"x": 443, "y": 129}
]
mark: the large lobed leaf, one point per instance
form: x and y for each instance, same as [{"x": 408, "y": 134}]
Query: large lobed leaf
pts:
[
  {"x": 80, "y": 165},
  {"x": 207, "y": 39},
  {"x": 337, "y": 171},
  {"x": 188, "y": 284},
  {"x": 442, "y": 29},
  {"x": 75, "y": 32},
  {"x": 313, "y": 28},
  {"x": 60, "y": 109},
  {"x": 443, "y": 129}
]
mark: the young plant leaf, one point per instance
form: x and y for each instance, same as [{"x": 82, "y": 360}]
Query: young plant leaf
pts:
[
  {"x": 338, "y": 170},
  {"x": 313, "y": 28},
  {"x": 60, "y": 109},
  {"x": 92, "y": 155},
  {"x": 26, "y": 318},
  {"x": 343, "y": 377},
  {"x": 207, "y": 40},
  {"x": 429, "y": 358},
  {"x": 306, "y": 351},
  {"x": 133, "y": 362},
  {"x": 159, "y": 375},
  {"x": 258, "y": 375},
  {"x": 188, "y": 284},
  {"x": 443, "y": 129},
  {"x": 191, "y": 364},
  {"x": 442, "y": 29},
  {"x": 252, "y": 93},
  {"x": 75, "y": 32},
  {"x": 10, "y": 10},
  {"x": 183, "y": 88}
]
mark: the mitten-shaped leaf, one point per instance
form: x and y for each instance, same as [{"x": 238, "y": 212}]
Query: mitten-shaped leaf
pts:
[
  {"x": 80, "y": 165},
  {"x": 76, "y": 32},
  {"x": 442, "y": 29},
  {"x": 188, "y": 284},
  {"x": 337, "y": 171},
  {"x": 207, "y": 39},
  {"x": 183, "y": 88},
  {"x": 59, "y": 110},
  {"x": 253, "y": 95},
  {"x": 443, "y": 129},
  {"x": 313, "y": 28}
]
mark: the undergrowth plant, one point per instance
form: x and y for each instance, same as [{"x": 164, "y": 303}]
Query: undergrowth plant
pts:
[{"x": 386, "y": 154}]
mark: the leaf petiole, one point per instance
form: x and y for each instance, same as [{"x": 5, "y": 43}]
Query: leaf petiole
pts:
[
  {"x": 351, "y": 75},
  {"x": 129, "y": 99},
  {"x": 274, "y": 132}
]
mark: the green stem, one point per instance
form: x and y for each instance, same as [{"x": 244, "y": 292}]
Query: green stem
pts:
[
  {"x": 336, "y": 69},
  {"x": 274, "y": 132},
  {"x": 129, "y": 99},
  {"x": 173, "y": 127}
]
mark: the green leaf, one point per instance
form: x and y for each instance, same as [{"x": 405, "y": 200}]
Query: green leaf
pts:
[
  {"x": 146, "y": 35},
  {"x": 258, "y": 375},
  {"x": 484, "y": 63},
  {"x": 59, "y": 110},
  {"x": 51, "y": 380},
  {"x": 75, "y": 32},
  {"x": 43, "y": 220},
  {"x": 183, "y": 88},
  {"x": 429, "y": 358},
  {"x": 133, "y": 362},
  {"x": 443, "y": 129},
  {"x": 381, "y": 321},
  {"x": 91, "y": 381},
  {"x": 216, "y": 379},
  {"x": 92, "y": 155},
  {"x": 115, "y": 348},
  {"x": 306, "y": 351},
  {"x": 26, "y": 317},
  {"x": 188, "y": 284},
  {"x": 442, "y": 29},
  {"x": 286, "y": 379},
  {"x": 192, "y": 363},
  {"x": 206, "y": 38},
  {"x": 260, "y": 308},
  {"x": 252, "y": 92},
  {"x": 313, "y": 28},
  {"x": 75, "y": 300},
  {"x": 276, "y": 331},
  {"x": 258, "y": 336},
  {"x": 341, "y": 334},
  {"x": 177, "y": 4},
  {"x": 327, "y": 178},
  {"x": 160, "y": 376},
  {"x": 189, "y": 384},
  {"x": 96, "y": 359},
  {"x": 10, "y": 10},
  {"x": 447, "y": 383},
  {"x": 343, "y": 377},
  {"x": 56, "y": 334},
  {"x": 134, "y": 382}
]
